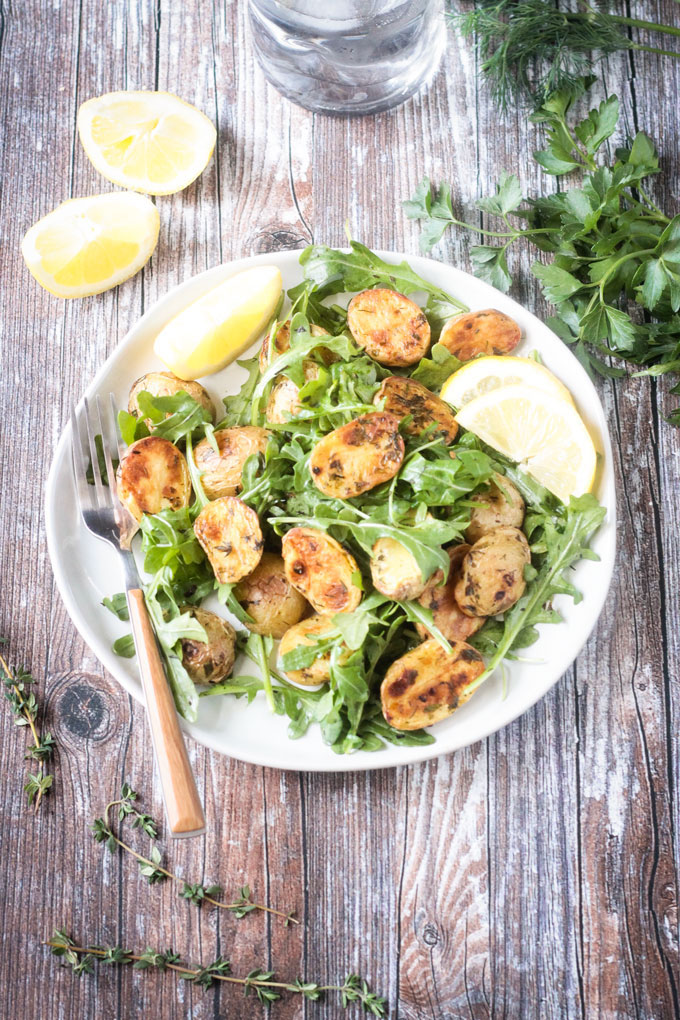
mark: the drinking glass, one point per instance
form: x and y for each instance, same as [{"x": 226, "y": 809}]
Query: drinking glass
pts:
[{"x": 347, "y": 56}]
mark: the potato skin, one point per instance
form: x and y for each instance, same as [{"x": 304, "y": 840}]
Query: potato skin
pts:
[
  {"x": 492, "y": 574},
  {"x": 358, "y": 456},
  {"x": 390, "y": 327},
  {"x": 272, "y": 348},
  {"x": 321, "y": 570},
  {"x": 487, "y": 332},
  {"x": 165, "y": 384},
  {"x": 395, "y": 571},
  {"x": 404, "y": 396},
  {"x": 221, "y": 472},
  {"x": 503, "y": 506},
  {"x": 229, "y": 532},
  {"x": 209, "y": 663},
  {"x": 284, "y": 398},
  {"x": 153, "y": 476},
  {"x": 307, "y": 632},
  {"x": 270, "y": 599},
  {"x": 428, "y": 683},
  {"x": 440, "y": 599}
]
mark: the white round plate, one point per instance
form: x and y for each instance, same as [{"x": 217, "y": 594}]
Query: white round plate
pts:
[{"x": 86, "y": 569}]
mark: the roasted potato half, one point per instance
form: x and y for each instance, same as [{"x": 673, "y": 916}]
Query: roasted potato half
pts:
[
  {"x": 492, "y": 573},
  {"x": 473, "y": 333},
  {"x": 395, "y": 571},
  {"x": 428, "y": 683},
  {"x": 321, "y": 570},
  {"x": 272, "y": 346},
  {"x": 211, "y": 661},
  {"x": 440, "y": 599},
  {"x": 390, "y": 327},
  {"x": 229, "y": 531},
  {"x": 404, "y": 396},
  {"x": 165, "y": 384},
  {"x": 284, "y": 399},
  {"x": 307, "y": 632},
  {"x": 269, "y": 598},
  {"x": 502, "y": 506},
  {"x": 221, "y": 472},
  {"x": 357, "y": 456},
  {"x": 153, "y": 476}
]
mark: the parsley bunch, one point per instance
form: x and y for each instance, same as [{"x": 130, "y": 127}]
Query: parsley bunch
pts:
[{"x": 614, "y": 275}]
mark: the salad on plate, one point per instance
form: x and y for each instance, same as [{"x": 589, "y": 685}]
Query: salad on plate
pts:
[{"x": 380, "y": 517}]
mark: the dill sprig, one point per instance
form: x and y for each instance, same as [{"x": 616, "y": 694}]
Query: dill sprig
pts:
[
  {"x": 17, "y": 686},
  {"x": 529, "y": 48},
  {"x": 261, "y": 982},
  {"x": 152, "y": 868}
]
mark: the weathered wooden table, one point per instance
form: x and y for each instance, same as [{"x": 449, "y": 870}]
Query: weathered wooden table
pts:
[{"x": 532, "y": 875}]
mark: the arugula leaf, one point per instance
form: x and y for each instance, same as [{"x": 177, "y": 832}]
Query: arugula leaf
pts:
[
  {"x": 237, "y": 406},
  {"x": 117, "y": 604},
  {"x": 435, "y": 370},
  {"x": 173, "y": 417},
  {"x": 361, "y": 269},
  {"x": 124, "y": 646},
  {"x": 565, "y": 538}
]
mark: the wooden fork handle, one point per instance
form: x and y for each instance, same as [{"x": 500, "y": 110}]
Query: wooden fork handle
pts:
[{"x": 182, "y": 803}]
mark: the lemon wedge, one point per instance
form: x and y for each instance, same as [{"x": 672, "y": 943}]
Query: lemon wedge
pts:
[
  {"x": 87, "y": 245},
  {"x": 485, "y": 374},
  {"x": 222, "y": 324},
  {"x": 543, "y": 432},
  {"x": 147, "y": 141}
]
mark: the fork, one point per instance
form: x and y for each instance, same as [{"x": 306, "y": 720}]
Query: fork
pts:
[{"x": 104, "y": 515}]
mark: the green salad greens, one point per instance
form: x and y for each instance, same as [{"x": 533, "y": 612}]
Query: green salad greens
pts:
[{"x": 425, "y": 507}]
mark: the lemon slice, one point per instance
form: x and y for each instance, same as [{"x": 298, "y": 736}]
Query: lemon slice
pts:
[
  {"x": 542, "y": 432},
  {"x": 485, "y": 374},
  {"x": 222, "y": 324},
  {"x": 147, "y": 141},
  {"x": 87, "y": 245}
]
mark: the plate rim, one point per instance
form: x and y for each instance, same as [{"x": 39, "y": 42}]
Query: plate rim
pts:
[{"x": 359, "y": 761}]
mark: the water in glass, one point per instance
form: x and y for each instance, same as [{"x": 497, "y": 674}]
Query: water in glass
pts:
[{"x": 347, "y": 56}]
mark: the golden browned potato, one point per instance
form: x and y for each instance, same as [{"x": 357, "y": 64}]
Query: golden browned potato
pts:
[
  {"x": 502, "y": 505},
  {"x": 404, "y": 396},
  {"x": 428, "y": 683},
  {"x": 321, "y": 570},
  {"x": 473, "y": 333},
  {"x": 221, "y": 472},
  {"x": 308, "y": 632},
  {"x": 153, "y": 476},
  {"x": 284, "y": 399},
  {"x": 395, "y": 571},
  {"x": 440, "y": 599},
  {"x": 492, "y": 574},
  {"x": 165, "y": 384},
  {"x": 269, "y": 598},
  {"x": 229, "y": 531},
  {"x": 280, "y": 343},
  {"x": 390, "y": 327},
  {"x": 211, "y": 661},
  {"x": 357, "y": 456}
]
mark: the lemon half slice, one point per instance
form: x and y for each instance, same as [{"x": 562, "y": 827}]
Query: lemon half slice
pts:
[
  {"x": 147, "y": 141},
  {"x": 222, "y": 324},
  {"x": 485, "y": 374},
  {"x": 542, "y": 432},
  {"x": 87, "y": 245}
]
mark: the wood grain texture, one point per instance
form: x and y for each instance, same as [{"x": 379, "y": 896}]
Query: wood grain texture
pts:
[{"x": 532, "y": 875}]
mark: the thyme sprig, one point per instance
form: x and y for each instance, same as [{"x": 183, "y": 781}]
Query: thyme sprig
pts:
[
  {"x": 17, "y": 686},
  {"x": 261, "y": 982},
  {"x": 152, "y": 867}
]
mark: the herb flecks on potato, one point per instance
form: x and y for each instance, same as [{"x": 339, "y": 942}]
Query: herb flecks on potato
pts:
[{"x": 428, "y": 683}]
